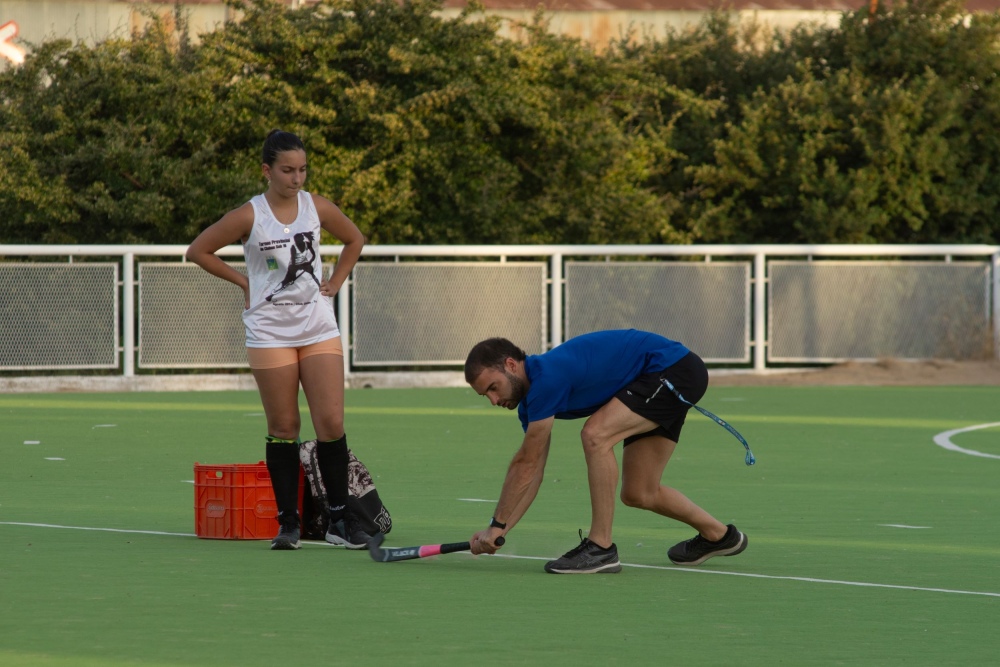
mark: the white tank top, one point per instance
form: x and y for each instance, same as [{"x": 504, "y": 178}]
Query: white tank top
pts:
[{"x": 285, "y": 271}]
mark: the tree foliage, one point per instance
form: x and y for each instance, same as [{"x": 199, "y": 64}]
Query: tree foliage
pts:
[
  {"x": 111, "y": 144},
  {"x": 434, "y": 130},
  {"x": 878, "y": 135}
]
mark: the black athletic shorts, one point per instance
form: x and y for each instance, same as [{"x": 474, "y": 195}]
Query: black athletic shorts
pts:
[{"x": 648, "y": 397}]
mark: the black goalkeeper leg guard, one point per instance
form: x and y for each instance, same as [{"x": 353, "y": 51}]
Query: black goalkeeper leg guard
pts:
[
  {"x": 333, "y": 459},
  {"x": 283, "y": 466}
]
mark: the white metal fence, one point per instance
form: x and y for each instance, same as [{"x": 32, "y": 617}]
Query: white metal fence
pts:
[{"x": 142, "y": 307}]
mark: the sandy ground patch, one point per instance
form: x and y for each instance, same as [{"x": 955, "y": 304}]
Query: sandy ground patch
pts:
[{"x": 884, "y": 372}]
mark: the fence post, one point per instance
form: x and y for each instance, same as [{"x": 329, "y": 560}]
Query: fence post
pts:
[
  {"x": 128, "y": 314},
  {"x": 996, "y": 305},
  {"x": 556, "y": 306},
  {"x": 759, "y": 310}
]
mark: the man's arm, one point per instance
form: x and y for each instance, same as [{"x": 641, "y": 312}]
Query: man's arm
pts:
[{"x": 524, "y": 477}]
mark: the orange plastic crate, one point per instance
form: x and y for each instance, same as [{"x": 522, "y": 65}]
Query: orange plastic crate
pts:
[{"x": 234, "y": 502}]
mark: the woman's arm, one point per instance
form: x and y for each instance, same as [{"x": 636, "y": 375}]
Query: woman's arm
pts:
[
  {"x": 333, "y": 220},
  {"x": 232, "y": 227}
]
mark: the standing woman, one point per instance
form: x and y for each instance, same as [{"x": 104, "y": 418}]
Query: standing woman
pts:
[{"x": 291, "y": 331}]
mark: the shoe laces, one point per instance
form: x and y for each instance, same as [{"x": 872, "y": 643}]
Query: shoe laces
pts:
[
  {"x": 582, "y": 546},
  {"x": 697, "y": 541}
]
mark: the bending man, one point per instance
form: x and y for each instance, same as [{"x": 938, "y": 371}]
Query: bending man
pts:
[{"x": 613, "y": 379}]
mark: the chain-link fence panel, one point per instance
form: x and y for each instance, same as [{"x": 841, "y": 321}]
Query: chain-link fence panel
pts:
[
  {"x": 432, "y": 313},
  {"x": 61, "y": 316},
  {"x": 834, "y": 311},
  {"x": 188, "y": 318},
  {"x": 705, "y": 305}
]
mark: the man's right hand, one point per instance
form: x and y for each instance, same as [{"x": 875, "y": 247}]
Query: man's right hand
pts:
[{"x": 484, "y": 542}]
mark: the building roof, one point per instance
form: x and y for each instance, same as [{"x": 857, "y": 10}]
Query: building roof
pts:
[
  {"x": 639, "y": 5},
  {"x": 694, "y": 5}
]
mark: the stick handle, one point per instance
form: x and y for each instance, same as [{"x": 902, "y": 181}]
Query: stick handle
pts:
[
  {"x": 460, "y": 546},
  {"x": 453, "y": 547}
]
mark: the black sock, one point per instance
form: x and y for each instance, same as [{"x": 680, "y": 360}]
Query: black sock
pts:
[
  {"x": 283, "y": 465},
  {"x": 332, "y": 457}
]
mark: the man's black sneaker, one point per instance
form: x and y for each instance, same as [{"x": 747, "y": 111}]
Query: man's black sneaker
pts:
[
  {"x": 287, "y": 538},
  {"x": 586, "y": 558},
  {"x": 346, "y": 533},
  {"x": 697, "y": 550}
]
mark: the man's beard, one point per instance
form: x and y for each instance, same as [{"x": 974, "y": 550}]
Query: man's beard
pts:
[{"x": 518, "y": 388}]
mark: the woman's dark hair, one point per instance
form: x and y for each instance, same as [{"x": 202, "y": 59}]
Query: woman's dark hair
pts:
[
  {"x": 490, "y": 353},
  {"x": 279, "y": 141}
]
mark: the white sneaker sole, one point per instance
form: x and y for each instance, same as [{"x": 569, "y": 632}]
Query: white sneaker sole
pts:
[
  {"x": 732, "y": 551},
  {"x": 285, "y": 545},
  {"x": 607, "y": 568},
  {"x": 338, "y": 541}
]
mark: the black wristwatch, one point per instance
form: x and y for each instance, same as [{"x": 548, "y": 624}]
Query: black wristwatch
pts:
[{"x": 496, "y": 524}]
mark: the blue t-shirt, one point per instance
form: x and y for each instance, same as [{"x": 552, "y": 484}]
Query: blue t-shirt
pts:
[{"x": 576, "y": 378}]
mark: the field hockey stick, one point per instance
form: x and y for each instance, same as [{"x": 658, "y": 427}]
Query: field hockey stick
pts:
[
  {"x": 382, "y": 554},
  {"x": 750, "y": 459}
]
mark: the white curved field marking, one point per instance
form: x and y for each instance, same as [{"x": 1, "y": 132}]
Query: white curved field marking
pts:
[{"x": 944, "y": 440}]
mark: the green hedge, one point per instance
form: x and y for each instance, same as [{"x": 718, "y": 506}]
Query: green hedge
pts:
[{"x": 430, "y": 130}]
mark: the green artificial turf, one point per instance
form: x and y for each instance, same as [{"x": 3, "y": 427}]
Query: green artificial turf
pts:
[{"x": 869, "y": 544}]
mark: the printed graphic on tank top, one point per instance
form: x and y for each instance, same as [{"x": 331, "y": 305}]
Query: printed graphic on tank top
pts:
[{"x": 301, "y": 256}]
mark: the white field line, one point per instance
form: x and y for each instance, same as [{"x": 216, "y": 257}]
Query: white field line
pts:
[
  {"x": 944, "y": 440},
  {"x": 811, "y": 580},
  {"x": 103, "y": 530}
]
